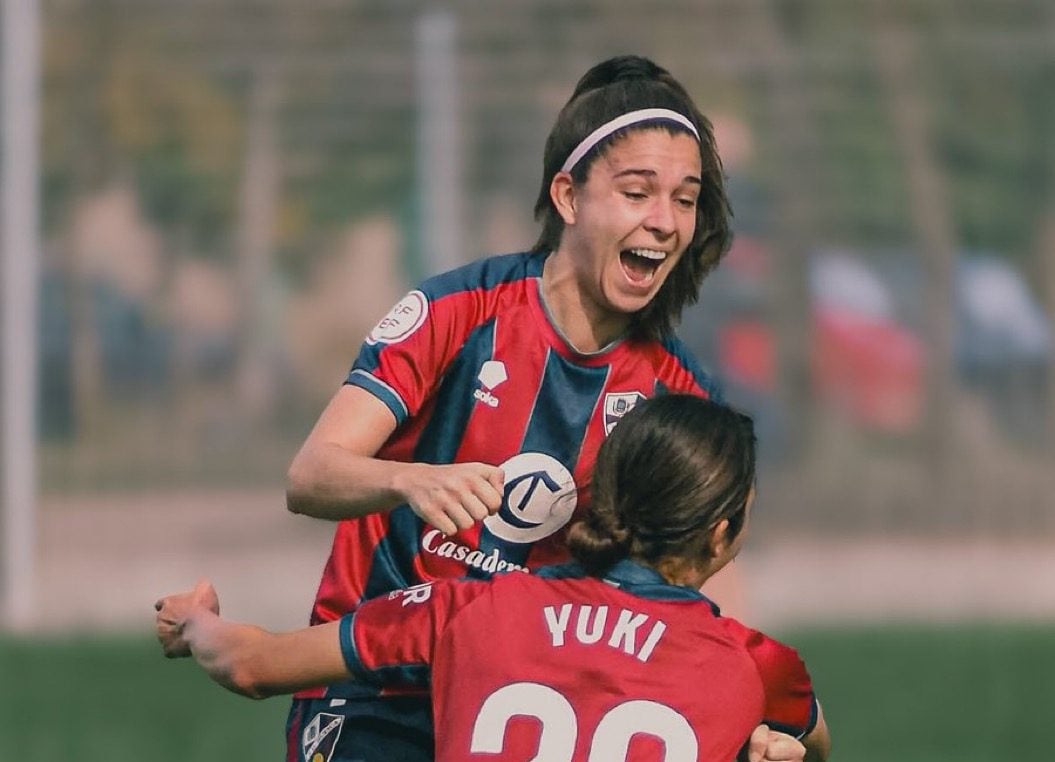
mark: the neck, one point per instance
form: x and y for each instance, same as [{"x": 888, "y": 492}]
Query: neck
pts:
[
  {"x": 586, "y": 325},
  {"x": 680, "y": 571}
]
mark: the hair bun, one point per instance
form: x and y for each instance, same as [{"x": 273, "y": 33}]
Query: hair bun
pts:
[
  {"x": 619, "y": 69},
  {"x": 634, "y": 67}
]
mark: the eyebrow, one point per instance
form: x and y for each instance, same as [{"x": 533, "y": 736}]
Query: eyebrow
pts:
[{"x": 651, "y": 173}]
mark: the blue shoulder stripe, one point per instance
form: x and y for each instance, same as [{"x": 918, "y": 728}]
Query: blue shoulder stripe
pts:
[
  {"x": 567, "y": 570},
  {"x": 709, "y": 383},
  {"x": 381, "y": 390},
  {"x": 348, "y": 649},
  {"x": 485, "y": 274}
]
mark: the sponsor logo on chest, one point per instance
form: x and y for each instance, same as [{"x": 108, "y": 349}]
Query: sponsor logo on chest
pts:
[{"x": 538, "y": 500}]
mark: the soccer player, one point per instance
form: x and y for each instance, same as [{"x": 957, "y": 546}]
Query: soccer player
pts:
[
  {"x": 614, "y": 656},
  {"x": 465, "y": 434}
]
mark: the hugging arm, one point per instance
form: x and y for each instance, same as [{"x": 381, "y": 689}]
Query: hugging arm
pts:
[{"x": 245, "y": 658}]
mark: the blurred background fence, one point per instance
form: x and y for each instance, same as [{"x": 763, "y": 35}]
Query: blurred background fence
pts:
[{"x": 233, "y": 193}]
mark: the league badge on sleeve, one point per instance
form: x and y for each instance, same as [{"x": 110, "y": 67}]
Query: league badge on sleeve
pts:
[
  {"x": 320, "y": 737},
  {"x": 618, "y": 404},
  {"x": 402, "y": 320}
]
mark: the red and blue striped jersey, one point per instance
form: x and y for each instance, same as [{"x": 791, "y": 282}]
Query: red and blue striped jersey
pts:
[
  {"x": 579, "y": 668},
  {"x": 473, "y": 369}
]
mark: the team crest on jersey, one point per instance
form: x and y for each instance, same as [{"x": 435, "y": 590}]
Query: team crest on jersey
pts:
[
  {"x": 539, "y": 499},
  {"x": 320, "y": 737},
  {"x": 618, "y": 404},
  {"x": 402, "y": 320}
]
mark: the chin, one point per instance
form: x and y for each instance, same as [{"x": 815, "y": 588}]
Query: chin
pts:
[{"x": 626, "y": 304}]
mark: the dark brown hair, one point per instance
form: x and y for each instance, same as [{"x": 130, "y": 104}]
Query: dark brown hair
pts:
[
  {"x": 672, "y": 468},
  {"x": 608, "y": 90}
]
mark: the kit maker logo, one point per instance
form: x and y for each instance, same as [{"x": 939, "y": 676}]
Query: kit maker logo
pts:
[{"x": 492, "y": 375}]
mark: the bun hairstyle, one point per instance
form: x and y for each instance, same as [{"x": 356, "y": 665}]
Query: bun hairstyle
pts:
[
  {"x": 612, "y": 89},
  {"x": 672, "y": 469}
]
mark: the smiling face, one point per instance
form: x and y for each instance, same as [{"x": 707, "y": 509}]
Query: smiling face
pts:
[{"x": 627, "y": 226}]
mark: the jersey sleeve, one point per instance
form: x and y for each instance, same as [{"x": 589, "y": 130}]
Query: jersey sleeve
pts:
[
  {"x": 791, "y": 706},
  {"x": 390, "y": 641},
  {"x": 407, "y": 352}
]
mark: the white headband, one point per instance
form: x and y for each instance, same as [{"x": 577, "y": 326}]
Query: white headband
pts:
[{"x": 631, "y": 117}]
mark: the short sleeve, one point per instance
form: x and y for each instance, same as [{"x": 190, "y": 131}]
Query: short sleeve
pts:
[
  {"x": 406, "y": 353},
  {"x": 791, "y": 706},
  {"x": 391, "y": 640}
]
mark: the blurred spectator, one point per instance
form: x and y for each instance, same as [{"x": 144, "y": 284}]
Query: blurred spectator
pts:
[
  {"x": 1003, "y": 344},
  {"x": 865, "y": 361}
]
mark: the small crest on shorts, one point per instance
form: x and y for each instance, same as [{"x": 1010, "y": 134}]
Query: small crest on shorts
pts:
[
  {"x": 320, "y": 737},
  {"x": 618, "y": 404}
]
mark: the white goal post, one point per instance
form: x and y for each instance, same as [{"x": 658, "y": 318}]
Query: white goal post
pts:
[{"x": 19, "y": 266}]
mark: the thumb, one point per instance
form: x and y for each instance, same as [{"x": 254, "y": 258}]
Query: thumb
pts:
[{"x": 756, "y": 746}]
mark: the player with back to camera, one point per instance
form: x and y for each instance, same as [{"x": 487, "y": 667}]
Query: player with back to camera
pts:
[
  {"x": 616, "y": 655},
  {"x": 468, "y": 426}
]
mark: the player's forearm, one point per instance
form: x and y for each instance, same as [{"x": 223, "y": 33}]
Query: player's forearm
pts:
[
  {"x": 226, "y": 651},
  {"x": 253, "y": 662},
  {"x": 327, "y": 481}
]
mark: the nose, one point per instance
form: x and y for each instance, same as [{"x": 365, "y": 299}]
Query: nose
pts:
[{"x": 660, "y": 220}]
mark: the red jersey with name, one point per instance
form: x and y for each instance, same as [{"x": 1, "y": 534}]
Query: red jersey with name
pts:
[{"x": 569, "y": 667}]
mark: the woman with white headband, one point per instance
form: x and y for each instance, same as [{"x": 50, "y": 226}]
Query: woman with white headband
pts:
[{"x": 463, "y": 440}]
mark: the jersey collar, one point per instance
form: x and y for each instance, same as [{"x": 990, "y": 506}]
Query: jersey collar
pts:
[{"x": 637, "y": 579}]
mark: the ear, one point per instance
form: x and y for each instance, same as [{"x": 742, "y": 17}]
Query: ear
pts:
[
  {"x": 562, "y": 194},
  {"x": 719, "y": 538}
]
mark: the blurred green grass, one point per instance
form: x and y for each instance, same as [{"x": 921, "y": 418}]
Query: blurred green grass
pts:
[
  {"x": 967, "y": 693},
  {"x": 911, "y": 694},
  {"x": 115, "y": 699}
]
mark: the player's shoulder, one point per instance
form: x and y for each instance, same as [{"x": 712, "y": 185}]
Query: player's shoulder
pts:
[
  {"x": 678, "y": 370},
  {"x": 468, "y": 598},
  {"x": 767, "y": 652},
  {"x": 455, "y": 592},
  {"x": 791, "y": 706},
  {"x": 518, "y": 585},
  {"x": 484, "y": 275}
]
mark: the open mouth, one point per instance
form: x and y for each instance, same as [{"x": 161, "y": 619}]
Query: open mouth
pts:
[{"x": 640, "y": 265}]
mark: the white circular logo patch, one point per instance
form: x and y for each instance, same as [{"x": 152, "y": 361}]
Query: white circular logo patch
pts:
[
  {"x": 539, "y": 499},
  {"x": 402, "y": 320}
]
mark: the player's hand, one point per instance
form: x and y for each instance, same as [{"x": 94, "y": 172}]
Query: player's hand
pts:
[
  {"x": 767, "y": 745},
  {"x": 452, "y": 497},
  {"x": 173, "y": 611}
]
